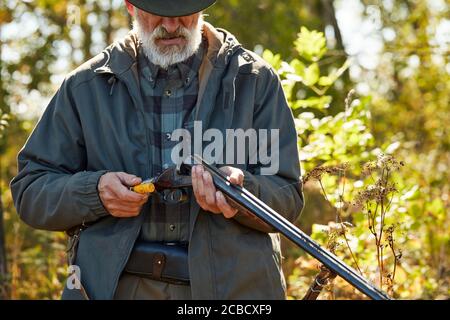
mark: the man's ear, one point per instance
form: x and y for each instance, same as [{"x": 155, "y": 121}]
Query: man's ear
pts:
[{"x": 130, "y": 8}]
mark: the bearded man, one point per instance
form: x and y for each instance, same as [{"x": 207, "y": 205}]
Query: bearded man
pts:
[{"x": 110, "y": 125}]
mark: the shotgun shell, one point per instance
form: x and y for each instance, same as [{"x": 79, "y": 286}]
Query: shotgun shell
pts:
[{"x": 145, "y": 187}]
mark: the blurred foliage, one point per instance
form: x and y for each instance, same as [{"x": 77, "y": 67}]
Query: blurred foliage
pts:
[
  {"x": 280, "y": 18},
  {"x": 404, "y": 114},
  {"x": 381, "y": 224}
]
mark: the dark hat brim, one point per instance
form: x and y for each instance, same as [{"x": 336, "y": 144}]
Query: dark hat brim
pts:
[{"x": 172, "y": 8}]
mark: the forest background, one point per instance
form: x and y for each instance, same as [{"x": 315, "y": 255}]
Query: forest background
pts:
[{"x": 369, "y": 85}]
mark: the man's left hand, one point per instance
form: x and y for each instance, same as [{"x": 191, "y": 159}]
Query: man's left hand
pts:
[{"x": 205, "y": 192}]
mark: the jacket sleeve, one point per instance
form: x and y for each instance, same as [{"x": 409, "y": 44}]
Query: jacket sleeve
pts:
[
  {"x": 281, "y": 191},
  {"x": 52, "y": 189}
]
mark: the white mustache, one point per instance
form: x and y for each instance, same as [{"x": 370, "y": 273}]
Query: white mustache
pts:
[{"x": 161, "y": 33}]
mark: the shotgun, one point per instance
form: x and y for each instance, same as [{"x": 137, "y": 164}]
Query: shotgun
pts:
[{"x": 244, "y": 200}]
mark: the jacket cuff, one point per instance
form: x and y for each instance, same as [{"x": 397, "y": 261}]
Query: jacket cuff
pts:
[
  {"x": 92, "y": 196},
  {"x": 252, "y": 184}
]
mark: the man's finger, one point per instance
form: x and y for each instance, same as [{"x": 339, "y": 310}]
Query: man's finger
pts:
[
  {"x": 227, "y": 210},
  {"x": 226, "y": 170},
  {"x": 195, "y": 185},
  {"x": 127, "y": 202},
  {"x": 236, "y": 177},
  {"x": 144, "y": 200},
  {"x": 129, "y": 180},
  {"x": 213, "y": 209},
  {"x": 194, "y": 180},
  {"x": 124, "y": 194},
  {"x": 210, "y": 190},
  {"x": 200, "y": 186}
]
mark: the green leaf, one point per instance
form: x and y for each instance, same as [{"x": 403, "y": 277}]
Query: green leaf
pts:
[
  {"x": 325, "y": 81},
  {"x": 298, "y": 67},
  {"x": 273, "y": 60},
  {"x": 319, "y": 103},
  {"x": 293, "y": 77},
  {"x": 312, "y": 74},
  {"x": 310, "y": 45}
]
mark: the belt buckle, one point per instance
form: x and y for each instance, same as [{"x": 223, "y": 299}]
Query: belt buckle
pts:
[{"x": 174, "y": 196}]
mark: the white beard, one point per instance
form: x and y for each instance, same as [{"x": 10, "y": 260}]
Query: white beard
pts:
[{"x": 172, "y": 54}]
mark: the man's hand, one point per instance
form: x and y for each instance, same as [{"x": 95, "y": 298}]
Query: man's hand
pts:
[
  {"x": 205, "y": 192},
  {"x": 113, "y": 189}
]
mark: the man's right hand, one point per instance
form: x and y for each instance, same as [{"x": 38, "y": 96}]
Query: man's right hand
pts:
[{"x": 113, "y": 189}]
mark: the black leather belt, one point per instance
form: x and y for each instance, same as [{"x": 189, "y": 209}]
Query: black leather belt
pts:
[{"x": 166, "y": 262}]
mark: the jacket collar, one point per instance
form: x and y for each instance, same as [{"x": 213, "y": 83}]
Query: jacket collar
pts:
[{"x": 122, "y": 54}]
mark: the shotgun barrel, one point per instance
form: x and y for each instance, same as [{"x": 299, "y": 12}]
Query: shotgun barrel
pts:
[{"x": 248, "y": 202}]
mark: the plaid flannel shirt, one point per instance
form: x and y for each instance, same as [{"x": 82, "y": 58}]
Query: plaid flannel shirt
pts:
[{"x": 169, "y": 99}]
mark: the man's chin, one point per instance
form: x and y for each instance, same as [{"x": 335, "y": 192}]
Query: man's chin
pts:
[{"x": 170, "y": 49}]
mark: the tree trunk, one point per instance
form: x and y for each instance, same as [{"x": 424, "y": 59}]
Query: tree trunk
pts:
[{"x": 329, "y": 16}]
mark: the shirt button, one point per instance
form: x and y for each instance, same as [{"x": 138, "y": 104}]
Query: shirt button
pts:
[
  {"x": 172, "y": 227},
  {"x": 168, "y": 93}
]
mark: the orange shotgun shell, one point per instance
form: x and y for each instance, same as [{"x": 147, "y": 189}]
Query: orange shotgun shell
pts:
[{"x": 145, "y": 187}]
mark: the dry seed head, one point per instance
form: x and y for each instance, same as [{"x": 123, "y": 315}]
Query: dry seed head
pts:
[
  {"x": 369, "y": 168},
  {"x": 383, "y": 161},
  {"x": 388, "y": 162},
  {"x": 318, "y": 172},
  {"x": 377, "y": 192}
]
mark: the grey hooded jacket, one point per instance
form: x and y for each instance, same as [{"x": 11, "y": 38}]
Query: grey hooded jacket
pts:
[{"x": 95, "y": 124}]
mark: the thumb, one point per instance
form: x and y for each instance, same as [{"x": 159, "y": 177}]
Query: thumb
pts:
[
  {"x": 236, "y": 177},
  {"x": 129, "y": 180}
]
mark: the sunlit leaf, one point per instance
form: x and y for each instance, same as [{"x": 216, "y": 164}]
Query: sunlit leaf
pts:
[
  {"x": 311, "y": 75},
  {"x": 311, "y": 45},
  {"x": 317, "y": 103},
  {"x": 325, "y": 81}
]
